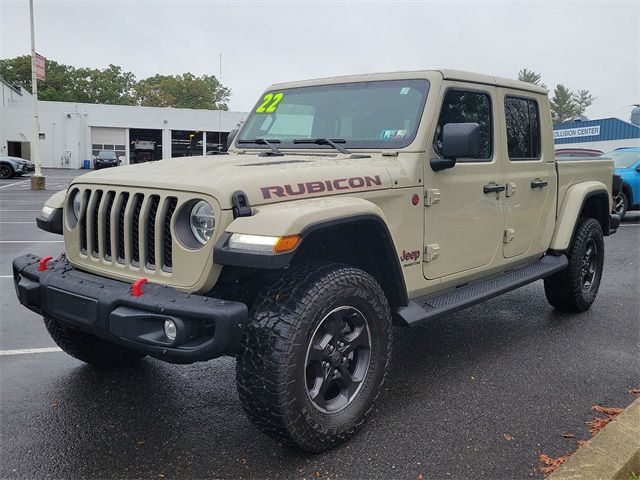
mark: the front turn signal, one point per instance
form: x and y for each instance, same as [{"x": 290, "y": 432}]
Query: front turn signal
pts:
[{"x": 286, "y": 244}]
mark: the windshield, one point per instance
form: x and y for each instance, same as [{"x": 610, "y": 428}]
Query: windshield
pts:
[
  {"x": 107, "y": 155},
  {"x": 378, "y": 114},
  {"x": 623, "y": 159}
]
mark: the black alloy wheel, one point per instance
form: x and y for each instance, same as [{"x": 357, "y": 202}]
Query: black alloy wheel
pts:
[{"x": 337, "y": 359}]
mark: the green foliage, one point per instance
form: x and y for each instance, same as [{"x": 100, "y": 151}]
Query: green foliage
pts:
[
  {"x": 530, "y": 76},
  {"x": 187, "y": 91},
  {"x": 565, "y": 104},
  {"x": 114, "y": 86}
]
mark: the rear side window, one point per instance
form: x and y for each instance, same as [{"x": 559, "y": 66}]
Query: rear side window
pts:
[
  {"x": 523, "y": 128},
  {"x": 461, "y": 106}
]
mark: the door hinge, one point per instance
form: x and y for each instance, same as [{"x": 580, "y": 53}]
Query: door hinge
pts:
[
  {"x": 431, "y": 197},
  {"x": 431, "y": 252},
  {"x": 511, "y": 189},
  {"x": 509, "y": 233}
]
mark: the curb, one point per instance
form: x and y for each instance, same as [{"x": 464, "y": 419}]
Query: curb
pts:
[{"x": 612, "y": 454}]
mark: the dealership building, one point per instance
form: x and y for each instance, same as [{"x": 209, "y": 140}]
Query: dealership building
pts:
[
  {"x": 71, "y": 133},
  {"x": 605, "y": 134}
]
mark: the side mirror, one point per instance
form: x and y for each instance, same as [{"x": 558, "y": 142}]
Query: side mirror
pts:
[
  {"x": 230, "y": 138},
  {"x": 460, "y": 140},
  {"x": 638, "y": 169}
]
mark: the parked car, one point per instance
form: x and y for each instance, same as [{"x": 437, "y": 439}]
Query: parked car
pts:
[
  {"x": 577, "y": 152},
  {"x": 106, "y": 158},
  {"x": 627, "y": 165},
  {"x": 14, "y": 166}
]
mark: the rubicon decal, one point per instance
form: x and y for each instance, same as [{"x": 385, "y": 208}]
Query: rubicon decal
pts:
[{"x": 320, "y": 186}]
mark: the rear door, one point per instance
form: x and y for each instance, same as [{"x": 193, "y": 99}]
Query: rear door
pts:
[{"x": 530, "y": 176}]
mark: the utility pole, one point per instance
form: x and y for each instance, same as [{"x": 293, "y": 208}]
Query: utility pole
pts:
[{"x": 37, "y": 180}]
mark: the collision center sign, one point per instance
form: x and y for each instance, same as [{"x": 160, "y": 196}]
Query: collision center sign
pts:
[{"x": 576, "y": 132}]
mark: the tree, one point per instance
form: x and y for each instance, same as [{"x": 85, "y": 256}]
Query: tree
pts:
[
  {"x": 114, "y": 86},
  {"x": 530, "y": 76},
  {"x": 563, "y": 105},
  {"x": 583, "y": 99},
  {"x": 182, "y": 91}
]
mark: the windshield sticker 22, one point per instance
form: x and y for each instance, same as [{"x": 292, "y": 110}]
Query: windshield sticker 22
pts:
[
  {"x": 392, "y": 134},
  {"x": 270, "y": 102}
]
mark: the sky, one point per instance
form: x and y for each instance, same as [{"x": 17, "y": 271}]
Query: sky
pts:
[{"x": 583, "y": 45}]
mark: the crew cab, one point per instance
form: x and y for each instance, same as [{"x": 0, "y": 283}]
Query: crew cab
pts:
[{"x": 342, "y": 207}]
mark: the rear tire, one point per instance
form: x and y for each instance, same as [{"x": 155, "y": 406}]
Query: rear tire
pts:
[
  {"x": 314, "y": 355},
  {"x": 574, "y": 289},
  {"x": 89, "y": 348},
  {"x": 620, "y": 204}
]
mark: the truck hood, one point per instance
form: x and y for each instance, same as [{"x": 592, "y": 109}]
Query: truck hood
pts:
[{"x": 262, "y": 179}]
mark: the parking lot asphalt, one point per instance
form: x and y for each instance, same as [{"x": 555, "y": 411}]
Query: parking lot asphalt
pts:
[{"x": 511, "y": 365}]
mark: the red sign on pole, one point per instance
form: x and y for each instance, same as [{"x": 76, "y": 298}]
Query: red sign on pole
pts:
[{"x": 40, "y": 63}]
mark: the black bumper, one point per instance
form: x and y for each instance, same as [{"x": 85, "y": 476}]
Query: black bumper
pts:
[{"x": 207, "y": 327}]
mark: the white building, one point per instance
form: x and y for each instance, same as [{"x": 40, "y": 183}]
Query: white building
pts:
[{"x": 71, "y": 133}]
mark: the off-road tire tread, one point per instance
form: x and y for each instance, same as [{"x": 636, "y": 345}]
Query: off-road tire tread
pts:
[
  {"x": 264, "y": 354},
  {"x": 89, "y": 348},
  {"x": 564, "y": 289}
]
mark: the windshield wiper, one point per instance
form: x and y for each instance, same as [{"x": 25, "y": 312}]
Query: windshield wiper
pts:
[
  {"x": 269, "y": 143},
  {"x": 326, "y": 141}
]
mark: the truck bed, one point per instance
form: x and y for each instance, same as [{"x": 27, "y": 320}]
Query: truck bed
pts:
[{"x": 582, "y": 169}]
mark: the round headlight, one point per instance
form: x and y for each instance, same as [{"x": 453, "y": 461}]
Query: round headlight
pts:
[
  {"x": 77, "y": 204},
  {"x": 202, "y": 221}
]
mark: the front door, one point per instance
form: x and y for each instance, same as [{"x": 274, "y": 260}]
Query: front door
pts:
[
  {"x": 463, "y": 224},
  {"x": 530, "y": 177}
]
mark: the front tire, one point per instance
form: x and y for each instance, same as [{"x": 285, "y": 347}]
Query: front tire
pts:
[
  {"x": 89, "y": 348},
  {"x": 314, "y": 355},
  {"x": 574, "y": 289}
]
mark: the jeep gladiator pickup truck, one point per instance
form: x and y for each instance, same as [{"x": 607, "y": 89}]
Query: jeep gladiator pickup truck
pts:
[{"x": 342, "y": 207}]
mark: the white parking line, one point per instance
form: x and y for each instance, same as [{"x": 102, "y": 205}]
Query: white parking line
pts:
[
  {"x": 17, "y": 183},
  {"x": 630, "y": 225},
  {"x": 31, "y": 241},
  {"x": 24, "y": 351},
  {"x": 19, "y": 210},
  {"x": 6, "y": 276}
]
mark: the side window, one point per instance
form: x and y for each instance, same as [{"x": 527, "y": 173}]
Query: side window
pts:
[
  {"x": 461, "y": 106},
  {"x": 523, "y": 128}
]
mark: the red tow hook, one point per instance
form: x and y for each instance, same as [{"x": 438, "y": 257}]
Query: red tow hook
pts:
[
  {"x": 42, "y": 266},
  {"x": 136, "y": 288}
]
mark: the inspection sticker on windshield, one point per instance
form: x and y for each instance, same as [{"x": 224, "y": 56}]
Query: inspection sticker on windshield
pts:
[
  {"x": 405, "y": 90},
  {"x": 392, "y": 134}
]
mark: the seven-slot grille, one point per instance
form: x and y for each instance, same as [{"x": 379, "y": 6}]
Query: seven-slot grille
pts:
[{"x": 127, "y": 228}]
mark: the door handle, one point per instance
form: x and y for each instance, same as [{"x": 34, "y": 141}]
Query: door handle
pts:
[
  {"x": 537, "y": 183},
  {"x": 493, "y": 187}
]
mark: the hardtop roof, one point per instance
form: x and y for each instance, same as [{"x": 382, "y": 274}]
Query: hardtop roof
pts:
[{"x": 446, "y": 74}]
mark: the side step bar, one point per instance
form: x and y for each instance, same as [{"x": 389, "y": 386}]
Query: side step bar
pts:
[{"x": 432, "y": 306}]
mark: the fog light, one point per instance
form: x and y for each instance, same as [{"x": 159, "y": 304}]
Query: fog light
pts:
[{"x": 170, "y": 329}]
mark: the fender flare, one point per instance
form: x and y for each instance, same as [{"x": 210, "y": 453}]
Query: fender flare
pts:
[
  {"x": 305, "y": 218},
  {"x": 572, "y": 207}
]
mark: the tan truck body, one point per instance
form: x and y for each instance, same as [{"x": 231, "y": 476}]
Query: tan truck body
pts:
[{"x": 466, "y": 227}]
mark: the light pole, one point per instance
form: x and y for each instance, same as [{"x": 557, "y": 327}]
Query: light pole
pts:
[{"x": 37, "y": 180}]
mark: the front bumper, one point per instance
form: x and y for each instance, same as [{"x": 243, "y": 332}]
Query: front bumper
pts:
[{"x": 207, "y": 327}]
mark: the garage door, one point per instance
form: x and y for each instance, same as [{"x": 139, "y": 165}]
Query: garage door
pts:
[{"x": 105, "y": 138}]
